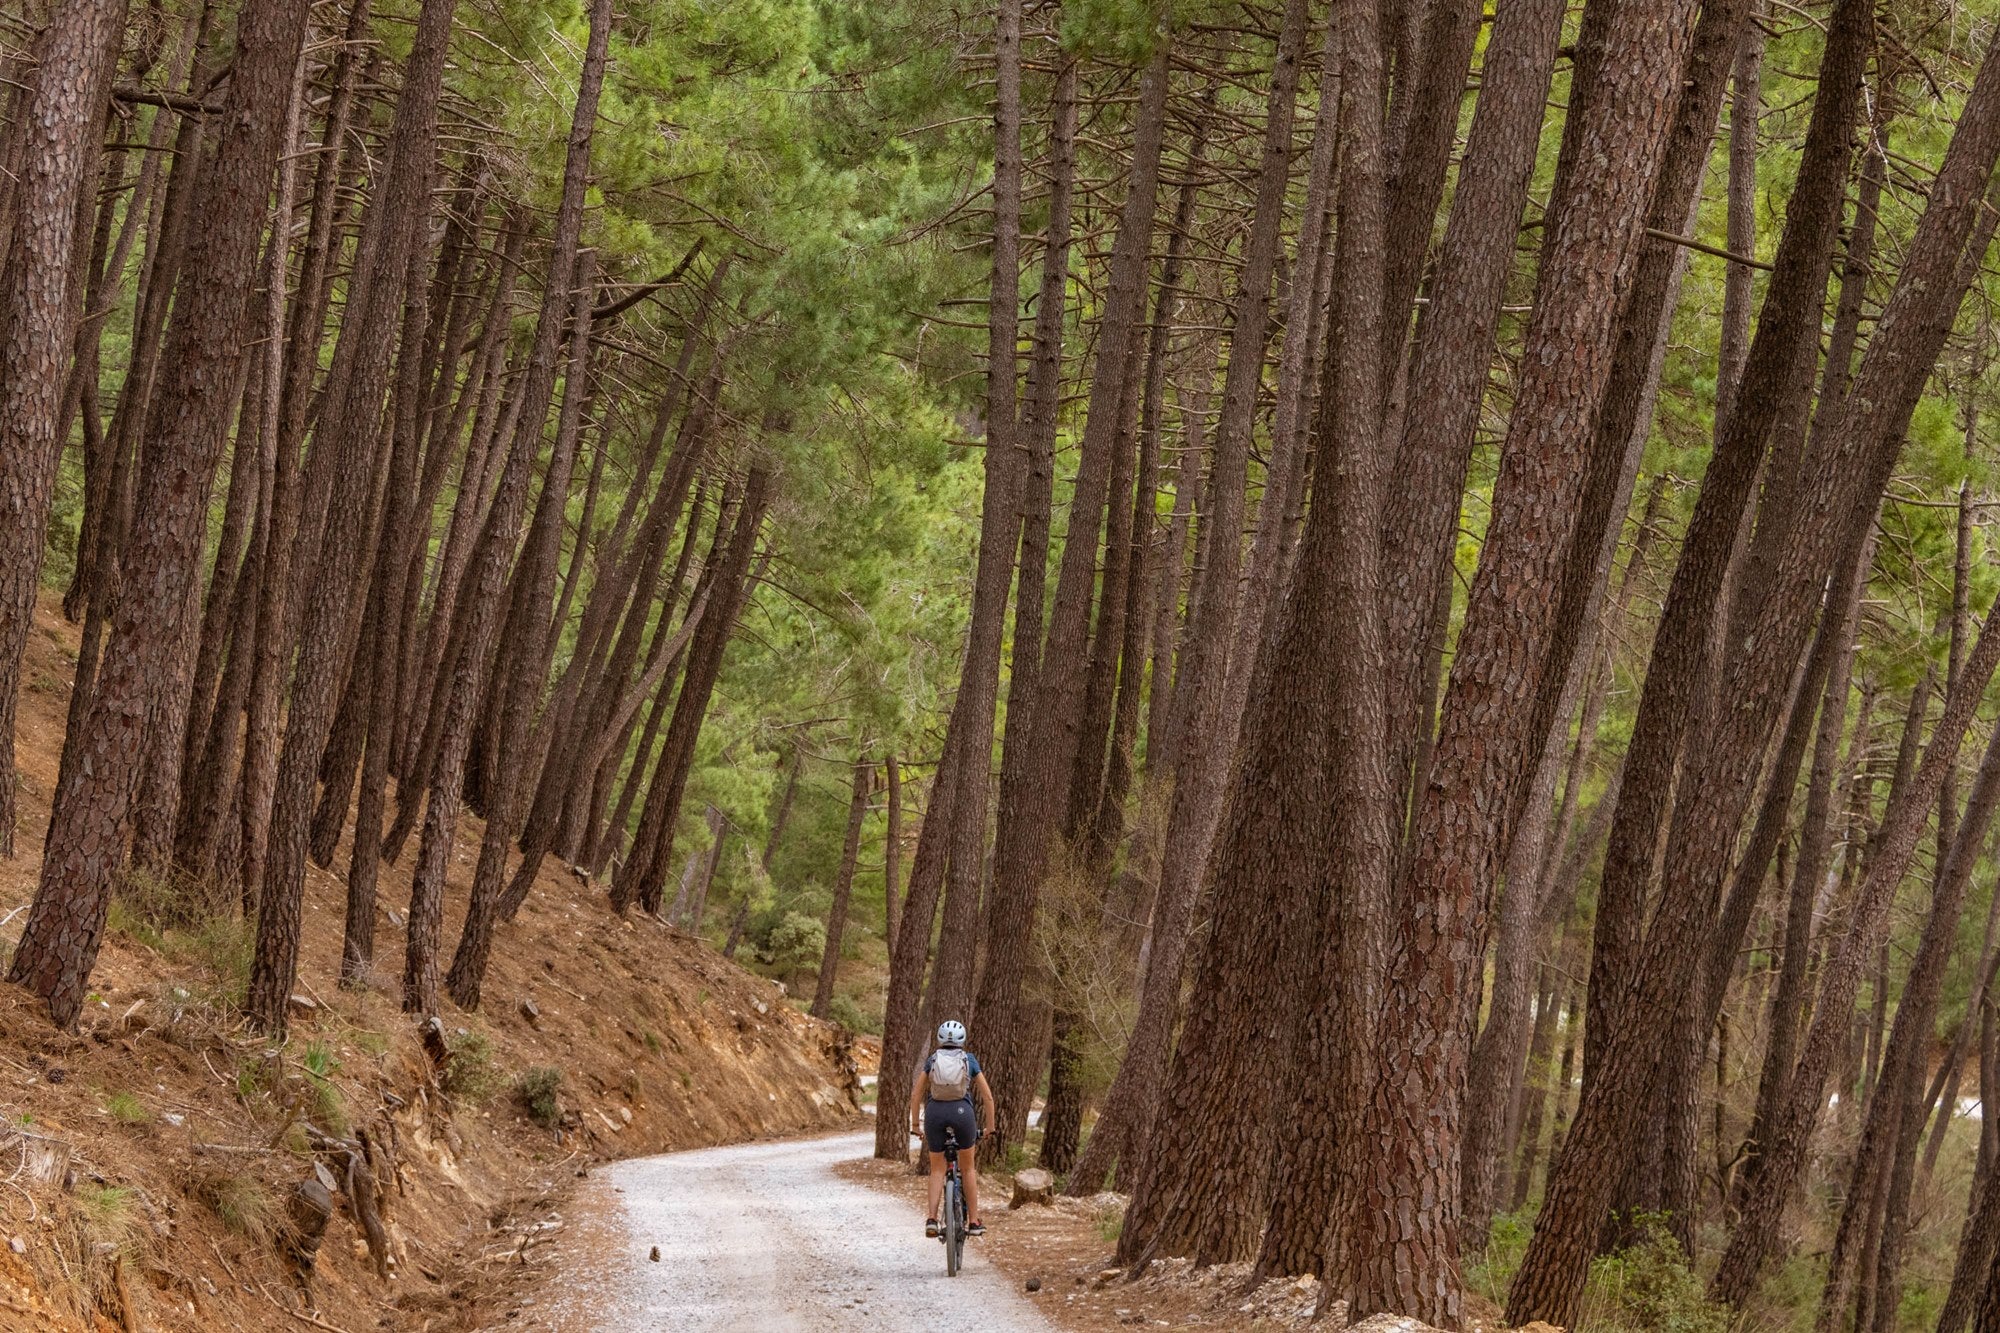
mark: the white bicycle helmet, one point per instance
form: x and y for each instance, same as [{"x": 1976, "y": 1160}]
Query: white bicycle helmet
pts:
[{"x": 951, "y": 1032}]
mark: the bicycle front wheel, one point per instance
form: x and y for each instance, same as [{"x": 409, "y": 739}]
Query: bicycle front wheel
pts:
[{"x": 954, "y": 1226}]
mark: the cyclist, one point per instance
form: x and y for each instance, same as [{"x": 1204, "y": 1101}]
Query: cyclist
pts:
[{"x": 943, "y": 1098}]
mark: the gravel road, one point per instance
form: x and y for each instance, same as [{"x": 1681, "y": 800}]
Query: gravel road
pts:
[{"x": 766, "y": 1237}]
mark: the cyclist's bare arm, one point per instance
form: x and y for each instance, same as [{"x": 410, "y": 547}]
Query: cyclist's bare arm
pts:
[
  {"x": 985, "y": 1095},
  {"x": 917, "y": 1095}
]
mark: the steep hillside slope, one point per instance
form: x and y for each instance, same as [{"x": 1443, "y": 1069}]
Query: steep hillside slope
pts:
[{"x": 156, "y": 1161}]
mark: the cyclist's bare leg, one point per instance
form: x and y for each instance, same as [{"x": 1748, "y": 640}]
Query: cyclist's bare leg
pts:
[
  {"x": 968, "y": 1167},
  {"x": 937, "y": 1182}
]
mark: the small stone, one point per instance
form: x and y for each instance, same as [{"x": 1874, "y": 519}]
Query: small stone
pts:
[
  {"x": 17, "y": 1245},
  {"x": 1034, "y": 1284},
  {"x": 655, "y": 1255},
  {"x": 531, "y": 1011},
  {"x": 625, "y": 1114},
  {"x": 57, "y": 1074},
  {"x": 304, "y": 1003},
  {"x": 1107, "y": 1276}
]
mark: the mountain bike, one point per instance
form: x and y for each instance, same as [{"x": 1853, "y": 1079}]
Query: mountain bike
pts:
[{"x": 952, "y": 1228}]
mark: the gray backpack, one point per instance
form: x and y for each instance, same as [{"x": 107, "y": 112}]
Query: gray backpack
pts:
[{"x": 951, "y": 1075}]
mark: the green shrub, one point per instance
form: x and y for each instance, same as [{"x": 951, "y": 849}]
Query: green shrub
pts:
[
  {"x": 469, "y": 1075},
  {"x": 1649, "y": 1288},
  {"x": 853, "y": 1017},
  {"x": 250, "y": 1082},
  {"x": 1492, "y": 1271},
  {"x": 537, "y": 1091},
  {"x": 1111, "y": 1225},
  {"x": 795, "y": 942}
]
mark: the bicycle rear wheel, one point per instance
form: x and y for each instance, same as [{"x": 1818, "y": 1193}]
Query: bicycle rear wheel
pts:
[{"x": 954, "y": 1226}]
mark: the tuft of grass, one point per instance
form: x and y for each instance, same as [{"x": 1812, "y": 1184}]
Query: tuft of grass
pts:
[
  {"x": 321, "y": 1064},
  {"x": 249, "y": 1080},
  {"x": 370, "y": 1043},
  {"x": 1110, "y": 1226},
  {"x": 537, "y": 1090},
  {"x": 108, "y": 1212},
  {"x": 470, "y": 1075},
  {"x": 184, "y": 922},
  {"x": 126, "y": 1109},
  {"x": 244, "y": 1205},
  {"x": 1491, "y": 1273},
  {"x": 651, "y": 1038}
]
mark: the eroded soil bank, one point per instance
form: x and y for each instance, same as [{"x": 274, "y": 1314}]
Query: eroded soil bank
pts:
[{"x": 158, "y": 1162}]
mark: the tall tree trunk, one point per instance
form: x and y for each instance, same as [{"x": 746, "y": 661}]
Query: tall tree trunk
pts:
[
  {"x": 530, "y": 645},
  {"x": 843, "y": 888},
  {"x": 1447, "y": 382},
  {"x": 355, "y": 437},
  {"x": 1205, "y": 742},
  {"x": 892, "y": 850},
  {"x": 970, "y": 731},
  {"x": 1487, "y": 733},
  {"x": 902, "y": 1041},
  {"x": 79, "y": 54},
  {"x": 59, "y": 946},
  {"x": 1351, "y": 877}
]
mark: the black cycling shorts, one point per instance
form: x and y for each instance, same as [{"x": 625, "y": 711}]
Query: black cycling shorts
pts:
[{"x": 956, "y": 1115}]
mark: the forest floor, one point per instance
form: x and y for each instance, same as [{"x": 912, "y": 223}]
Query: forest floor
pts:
[
  {"x": 171, "y": 1141},
  {"x": 1065, "y": 1249}
]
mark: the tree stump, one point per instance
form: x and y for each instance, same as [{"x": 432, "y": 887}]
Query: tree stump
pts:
[
  {"x": 43, "y": 1161},
  {"x": 1033, "y": 1186}
]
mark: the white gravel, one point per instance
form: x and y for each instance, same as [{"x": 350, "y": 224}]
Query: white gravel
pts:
[{"x": 766, "y": 1237}]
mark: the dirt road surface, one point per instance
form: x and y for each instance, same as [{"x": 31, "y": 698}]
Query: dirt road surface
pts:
[{"x": 765, "y": 1237}]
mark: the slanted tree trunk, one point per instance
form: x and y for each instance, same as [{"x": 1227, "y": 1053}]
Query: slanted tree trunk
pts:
[
  {"x": 354, "y": 435},
  {"x": 59, "y": 946},
  {"x": 1487, "y": 733},
  {"x": 1896, "y": 1113},
  {"x": 488, "y": 569},
  {"x": 79, "y": 52},
  {"x": 642, "y": 876},
  {"x": 530, "y": 646},
  {"x": 1841, "y": 979},
  {"x": 892, "y": 851},
  {"x": 970, "y": 731},
  {"x": 1206, "y": 738},
  {"x": 1506, "y": 128},
  {"x": 843, "y": 888}
]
